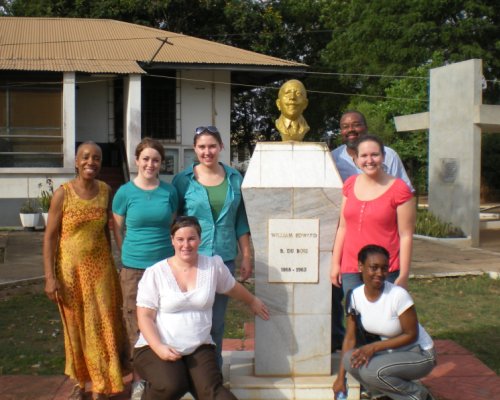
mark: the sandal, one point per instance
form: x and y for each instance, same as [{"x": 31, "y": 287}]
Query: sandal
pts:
[{"x": 77, "y": 393}]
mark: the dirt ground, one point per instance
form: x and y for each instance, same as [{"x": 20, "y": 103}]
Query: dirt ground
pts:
[{"x": 9, "y": 291}]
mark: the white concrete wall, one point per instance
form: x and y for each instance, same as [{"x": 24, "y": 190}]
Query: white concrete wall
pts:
[
  {"x": 92, "y": 110},
  {"x": 16, "y": 188},
  {"x": 455, "y": 145},
  {"x": 23, "y": 186}
]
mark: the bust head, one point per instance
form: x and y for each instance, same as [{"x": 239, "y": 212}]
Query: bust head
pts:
[{"x": 292, "y": 99}]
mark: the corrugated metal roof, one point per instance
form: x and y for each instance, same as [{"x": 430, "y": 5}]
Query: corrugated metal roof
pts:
[{"x": 108, "y": 46}]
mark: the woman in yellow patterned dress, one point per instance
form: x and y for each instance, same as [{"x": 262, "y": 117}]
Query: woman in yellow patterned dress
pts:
[{"x": 81, "y": 277}]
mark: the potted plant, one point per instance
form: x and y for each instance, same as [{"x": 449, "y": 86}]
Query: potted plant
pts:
[
  {"x": 46, "y": 193},
  {"x": 29, "y": 214}
]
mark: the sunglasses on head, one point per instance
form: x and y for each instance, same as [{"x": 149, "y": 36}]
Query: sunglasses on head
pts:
[{"x": 201, "y": 129}]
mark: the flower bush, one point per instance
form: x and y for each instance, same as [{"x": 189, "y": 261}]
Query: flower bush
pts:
[{"x": 46, "y": 193}]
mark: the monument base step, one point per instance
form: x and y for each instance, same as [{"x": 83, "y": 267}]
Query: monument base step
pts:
[
  {"x": 238, "y": 376},
  {"x": 246, "y": 386}
]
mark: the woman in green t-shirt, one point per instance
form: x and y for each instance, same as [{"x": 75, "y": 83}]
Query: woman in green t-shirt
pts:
[{"x": 143, "y": 210}]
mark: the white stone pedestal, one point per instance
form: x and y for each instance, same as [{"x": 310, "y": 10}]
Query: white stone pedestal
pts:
[
  {"x": 296, "y": 186},
  {"x": 245, "y": 386}
]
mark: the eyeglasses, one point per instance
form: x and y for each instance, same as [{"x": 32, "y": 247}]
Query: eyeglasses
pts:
[
  {"x": 201, "y": 129},
  {"x": 374, "y": 268}
]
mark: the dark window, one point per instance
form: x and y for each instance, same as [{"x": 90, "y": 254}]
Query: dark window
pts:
[
  {"x": 158, "y": 106},
  {"x": 31, "y": 121}
]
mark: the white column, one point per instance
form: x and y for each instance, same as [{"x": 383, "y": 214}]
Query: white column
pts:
[
  {"x": 132, "y": 118},
  {"x": 455, "y": 145},
  {"x": 69, "y": 118}
]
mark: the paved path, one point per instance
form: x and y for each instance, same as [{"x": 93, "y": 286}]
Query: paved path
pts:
[
  {"x": 437, "y": 258},
  {"x": 459, "y": 375},
  {"x": 23, "y": 257}
]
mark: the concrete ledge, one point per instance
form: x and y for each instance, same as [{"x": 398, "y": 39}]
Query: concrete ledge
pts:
[
  {"x": 446, "y": 274},
  {"x": 490, "y": 224},
  {"x": 462, "y": 242}
]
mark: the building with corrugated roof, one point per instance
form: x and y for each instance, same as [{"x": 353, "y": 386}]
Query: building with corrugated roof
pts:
[{"x": 69, "y": 80}]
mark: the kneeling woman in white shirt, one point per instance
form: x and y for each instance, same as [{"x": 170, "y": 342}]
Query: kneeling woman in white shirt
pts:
[
  {"x": 175, "y": 353},
  {"x": 404, "y": 352}
]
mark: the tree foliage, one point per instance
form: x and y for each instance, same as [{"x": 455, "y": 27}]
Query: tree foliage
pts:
[{"x": 388, "y": 37}]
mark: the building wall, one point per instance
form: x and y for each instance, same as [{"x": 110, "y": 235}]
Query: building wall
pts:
[
  {"x": 204, "y": 98},
  {"x": 16, "y": 188}
]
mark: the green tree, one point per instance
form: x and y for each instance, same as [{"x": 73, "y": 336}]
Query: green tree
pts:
[
  {"x": 388, "y": 37},
  {"x": 187, "y": 16}
]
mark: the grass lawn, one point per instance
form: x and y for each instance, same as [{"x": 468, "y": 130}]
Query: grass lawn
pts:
[
  {"x": 31, "y": 338},
  {"x": 465, "y": 310}
]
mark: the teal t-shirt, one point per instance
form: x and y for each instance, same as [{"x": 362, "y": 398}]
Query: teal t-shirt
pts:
[{"x": 148, "y": 215}]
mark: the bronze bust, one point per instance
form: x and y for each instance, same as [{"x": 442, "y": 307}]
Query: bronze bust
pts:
[{"x": 292, "y": 101}]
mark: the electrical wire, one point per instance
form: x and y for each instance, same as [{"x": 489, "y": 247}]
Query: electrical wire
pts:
[{"x": 232, "y": 84}]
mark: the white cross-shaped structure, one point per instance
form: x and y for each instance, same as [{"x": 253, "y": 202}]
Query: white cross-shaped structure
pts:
[{"x": 456, "y": 119}]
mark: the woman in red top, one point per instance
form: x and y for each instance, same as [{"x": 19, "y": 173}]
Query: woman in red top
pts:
[{"x": 377, "y": 208}]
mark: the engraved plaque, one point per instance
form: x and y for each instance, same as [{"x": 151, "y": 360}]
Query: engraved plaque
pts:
[
  {"x": 293, "y": 250},
  {"x": 449, "y": 169}
]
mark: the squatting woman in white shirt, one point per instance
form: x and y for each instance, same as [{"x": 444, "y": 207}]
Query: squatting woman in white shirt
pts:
[
  {"x": 175, "y": 353},
  {"x": 403, "y": 351}
]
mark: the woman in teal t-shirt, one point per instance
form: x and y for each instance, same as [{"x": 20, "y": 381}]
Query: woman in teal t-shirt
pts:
[
  {"x": 144, "y": 209},
  {"x": 211, "y": 192}
]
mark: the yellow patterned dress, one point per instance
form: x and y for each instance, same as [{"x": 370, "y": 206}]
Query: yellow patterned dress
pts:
[{"x": 90, "y": 297}]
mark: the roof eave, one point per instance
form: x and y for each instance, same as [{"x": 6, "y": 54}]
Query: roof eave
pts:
[{"x": 226, "y": 67}]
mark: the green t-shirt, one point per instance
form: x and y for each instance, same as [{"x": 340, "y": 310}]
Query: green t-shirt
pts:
[
  {"x": 148, "y": 215},
  {"x": 217, "y": 197}
]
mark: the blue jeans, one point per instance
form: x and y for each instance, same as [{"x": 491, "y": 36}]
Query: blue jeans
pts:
[
  {"x": 352, "y": 281},
  {"x": 338, "y": 330},
  {"x": 218, "y": 316}
]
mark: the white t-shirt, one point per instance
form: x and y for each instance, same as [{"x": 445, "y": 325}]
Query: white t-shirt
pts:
[
  {"x": 381, "y": 317},
  {"x": 183, "y": 319}
]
